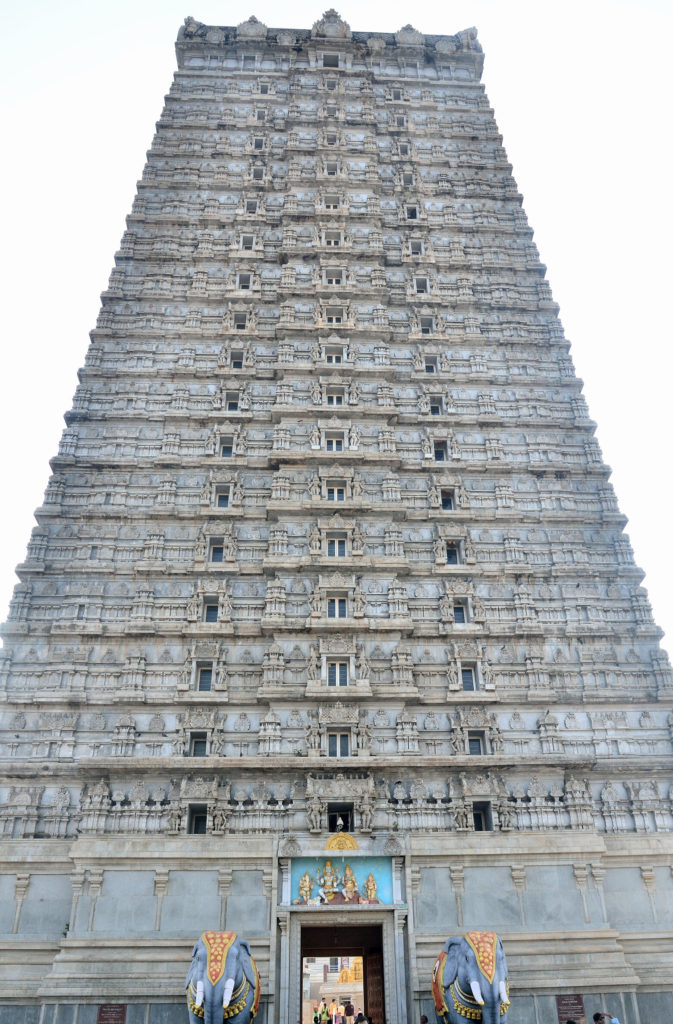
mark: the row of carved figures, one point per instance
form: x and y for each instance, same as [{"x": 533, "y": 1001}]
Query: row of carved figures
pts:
[{"x": 624, "y": 806}]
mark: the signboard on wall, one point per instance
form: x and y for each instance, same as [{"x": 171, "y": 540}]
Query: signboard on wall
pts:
[
  {"x": 111, "y": 1013},
  {"x": 570, "y": 1007}
]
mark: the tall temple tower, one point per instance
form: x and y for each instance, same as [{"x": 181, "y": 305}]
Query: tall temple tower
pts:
[{"x": 328, "y": 632}]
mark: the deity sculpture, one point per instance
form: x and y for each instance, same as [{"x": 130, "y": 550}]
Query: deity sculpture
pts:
[
  {"x": 328, "y": 882},
  {"x": 370, "y": 887},
  {"x": 305, "y": 887},
  {"x": 349, "y": 886}
]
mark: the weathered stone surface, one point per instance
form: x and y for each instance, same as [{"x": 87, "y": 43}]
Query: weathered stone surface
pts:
[{"x": 329, "y": 487}]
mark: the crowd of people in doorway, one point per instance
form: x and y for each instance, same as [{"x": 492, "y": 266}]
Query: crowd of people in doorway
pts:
[{"x": 339, "y": 1013}]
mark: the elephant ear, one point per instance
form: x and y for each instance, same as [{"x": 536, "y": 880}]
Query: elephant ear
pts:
[
  {"x": 190, "y": 972},
  {"x": 452, "y": 948},
  {"x": 502, "y": 959},
  {"x": 246, "y": 960}
]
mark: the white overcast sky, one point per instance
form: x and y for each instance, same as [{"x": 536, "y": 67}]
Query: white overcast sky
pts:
[{"x": 582, "y": 96}]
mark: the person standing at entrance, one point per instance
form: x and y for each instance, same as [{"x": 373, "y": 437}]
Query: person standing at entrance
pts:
[
  {"x": 333, "y": 1010},
  {"x": 323, "y": 1013},
  {"x": 349, "y": 1011}
]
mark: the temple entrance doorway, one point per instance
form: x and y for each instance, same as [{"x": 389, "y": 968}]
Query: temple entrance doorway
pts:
[{"x": 342, "y": 964}]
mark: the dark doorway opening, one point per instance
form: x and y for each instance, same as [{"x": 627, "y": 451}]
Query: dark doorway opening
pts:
[{"x": 352, "y": 953}]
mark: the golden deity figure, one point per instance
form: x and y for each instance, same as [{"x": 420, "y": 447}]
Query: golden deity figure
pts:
[
  {"x": 328, "y": 882},
  {"x": 370, "y": 887},
  {"x": 305, "y": 887},
  {"x": 349, "y": 886}
]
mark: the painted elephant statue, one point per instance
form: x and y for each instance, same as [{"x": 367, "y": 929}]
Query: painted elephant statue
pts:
[
  {"x": 469, "y": 980},
  {"x": 222, "y": 982}
]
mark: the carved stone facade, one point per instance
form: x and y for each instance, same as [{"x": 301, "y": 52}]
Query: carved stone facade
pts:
[{"x": 329, "y": 533}]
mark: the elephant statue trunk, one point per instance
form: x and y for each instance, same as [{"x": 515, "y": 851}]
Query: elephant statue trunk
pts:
[
  {"x": 222, "y": 982},
  {"x": 469, "y": 981}
]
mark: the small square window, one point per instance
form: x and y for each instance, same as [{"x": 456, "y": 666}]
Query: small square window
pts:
[
  {"x": 222, "y": 497},
  {"x": 204, "y": 678},
  {"x": 416, "y": 247},
  {"x": 331, "y": 202},
  {"x": 332, "y": 168},
  {"x": 258, "y": 142},
  {"x": 258, "y": 174},
  {"x": 397, "y": 94},
  {"x": 435, "y": 405},
  {"x": 452, "y": 553},
  {"x": 334, "y": 315},
  {"x": 197, "y": 819},
  {"x": 331, "y": 84},
  {"x": 231, "y": 401},
  {"x": 227, "y": 446},
  {"x": 331, "y": 139},
  {"x": 400, "y": 121},
  {"x": 216, "y": 553},
  {"x": 333, "y": 239},
  {"x": 336, "y": 545},
  {"x": 440, "y": 451},
  {"x": 337, "y": 607},
  {"x": 251, "y": 206},
  {"x": 427, "y": 327},
  {"x": 334, "y": 277},
  {"x": 264, "y": 89},
  {"x": 421, "y": 284},
  {"x": 80, "y": 611},
  {"x": 338, "y": 744},
  {"x": 459, "y": 613},
  {"x": 448, "y": 500},
  {"x": 249, "y": 60},
  {"x": 407, "y": 179},
  {"x": 260, "y": 114},
  {"x": 334, "y": 356},
  {"x": 334, "y": 442},
  {"x": 475, "y": 743},
  {"x": 412, "y": 213},
  {"x": 244, "y": 281},
  {"x": 336, "y": 491},
  {"x": 210, "y": 611},
  {"x": 482, "y": 817},
  {"x": 468, "y": 678},
  {"x": 339, "y": 819},
  {"x": 330, "y": 60},
  {"x": 403, "y": 149},
  {"x": 335, "y": 396},
  {"x": 430, "y": 364},
  {"x": 240, "y": 321},
  {"x": 237, "y": 359},
  {"x": 331, "y": 110},
  {"x": 198, "y": 744},
  {"x": 247, "y": 242},
  {"x": 337, "y": 673}
]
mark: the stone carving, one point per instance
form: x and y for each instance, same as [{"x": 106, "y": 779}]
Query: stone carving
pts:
[
  {"x": 470, "y": 977},
  {"x": 222, "y": 974},
  {"x": 331, "y": 26}
]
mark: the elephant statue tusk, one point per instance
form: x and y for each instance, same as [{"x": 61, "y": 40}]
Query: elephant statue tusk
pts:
[
  {"x": 228, "y": 989},
  {"x": 199, "y": 994},
  {"x": 476, "y": 992},
  {"x": 504, "y": 998}
]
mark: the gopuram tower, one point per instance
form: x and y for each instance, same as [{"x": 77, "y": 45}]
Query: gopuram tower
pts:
[{"x": 328, "y": 632}]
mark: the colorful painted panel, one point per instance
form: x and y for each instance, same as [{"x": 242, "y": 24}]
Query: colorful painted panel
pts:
[{"x": 341, "y": 881}]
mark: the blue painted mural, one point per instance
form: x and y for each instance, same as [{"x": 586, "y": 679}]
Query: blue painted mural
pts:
[{"x": 338, "y": 881}]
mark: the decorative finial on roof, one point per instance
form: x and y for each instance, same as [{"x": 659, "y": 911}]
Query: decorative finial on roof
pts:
[
  {"x": 332, "y": 26},
  {"x": 251, "y": 29}
]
